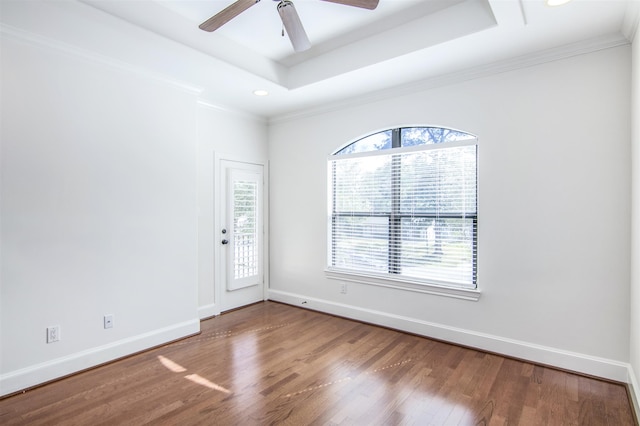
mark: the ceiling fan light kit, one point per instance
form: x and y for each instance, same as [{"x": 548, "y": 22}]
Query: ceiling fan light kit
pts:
[{"x": 288, "y": 15}]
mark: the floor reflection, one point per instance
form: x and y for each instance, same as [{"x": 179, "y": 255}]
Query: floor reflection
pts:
[{"x": 195, "y": 378}]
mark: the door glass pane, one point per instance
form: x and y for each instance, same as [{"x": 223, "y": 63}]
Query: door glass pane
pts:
[{"x": 245, "y": 199}]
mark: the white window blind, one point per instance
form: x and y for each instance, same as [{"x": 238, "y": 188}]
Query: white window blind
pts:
[{"x": 408, "y": 213}]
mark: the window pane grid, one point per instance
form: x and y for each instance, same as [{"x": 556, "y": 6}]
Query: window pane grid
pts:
[{"x": 409, "y": 213}]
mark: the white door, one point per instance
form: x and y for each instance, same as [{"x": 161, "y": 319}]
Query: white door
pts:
[{"x": 240, "y": 235}]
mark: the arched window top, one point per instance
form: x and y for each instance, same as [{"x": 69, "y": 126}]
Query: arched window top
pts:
[
  {"x": 403, "y": 210},
  {"x": 404, "y": 137}
]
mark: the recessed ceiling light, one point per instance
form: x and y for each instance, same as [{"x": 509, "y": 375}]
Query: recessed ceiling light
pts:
[
  {"x": 556, "y": 2},
  {"x": 260, "y": 92}
]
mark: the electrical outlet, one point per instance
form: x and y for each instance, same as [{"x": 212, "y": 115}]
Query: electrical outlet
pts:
[
  {"x": 343, "y": 288},
  {"x": 53, "y": 334},
  {"x": 108, "y": 321}
]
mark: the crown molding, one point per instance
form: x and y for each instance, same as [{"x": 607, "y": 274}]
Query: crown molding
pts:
[
  {"x": 37, "y": 40},
  {"x": 521, "y": 62},
  {"x": 204, "y": 103},
  {"x": 631, "y": 20},
  {"x": 40, "y": 41}
]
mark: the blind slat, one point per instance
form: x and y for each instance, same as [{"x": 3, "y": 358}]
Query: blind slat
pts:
[{"x": 412, "y": 213}]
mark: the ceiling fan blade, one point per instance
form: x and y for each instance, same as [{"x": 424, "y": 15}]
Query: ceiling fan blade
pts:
[
  {"x": 293, "y": 26},
  {"x": 227, "y": 14},
  {"x": 365, "y": 4}
]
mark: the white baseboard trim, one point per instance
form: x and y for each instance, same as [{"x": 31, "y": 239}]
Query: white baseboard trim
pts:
[
  {"x": 634, "y": 391},
  {"x": 25, "y": 378},
  {"x": 208, "y": 311},
  {"x": 572, "y": 361}
]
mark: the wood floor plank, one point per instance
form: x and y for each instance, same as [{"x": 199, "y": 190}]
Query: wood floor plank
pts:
[{"x": 274, "y": 364}]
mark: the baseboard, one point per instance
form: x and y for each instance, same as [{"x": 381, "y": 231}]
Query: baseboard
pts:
[
  {"x": 208, "y": 311},
  {"x": 634, "y": 392},
  {"x": 566, "y": 360},
  {"x": 28, "y": 377}
]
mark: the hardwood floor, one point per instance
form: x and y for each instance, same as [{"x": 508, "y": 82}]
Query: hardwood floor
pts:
[{"x": 271, "y": 364}]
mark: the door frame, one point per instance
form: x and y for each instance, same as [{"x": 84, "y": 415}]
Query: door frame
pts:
[{"x": 219, "y": 283}]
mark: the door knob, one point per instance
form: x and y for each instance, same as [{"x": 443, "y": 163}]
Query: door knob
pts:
[{"x": 225, "y": 241}]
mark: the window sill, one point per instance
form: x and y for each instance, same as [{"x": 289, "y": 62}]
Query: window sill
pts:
[{"x": 403, "y": 284}]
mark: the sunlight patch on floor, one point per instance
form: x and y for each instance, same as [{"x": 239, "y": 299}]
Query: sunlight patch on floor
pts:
[
  {"x": 195, "y": 378},
  {"x": 172, "y": 366}
]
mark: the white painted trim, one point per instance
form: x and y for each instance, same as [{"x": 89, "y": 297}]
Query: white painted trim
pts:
[
  {"x": 634, "y": 391},
  {"x": 208, "y": 311},
  {"x": 403, "y": 284},
  {"x": 218, "y": 158},
  {"x": 24, "y": 378},
  {"x": 41, "y": 41},
  {"x": 525, "y": 61},
  {"x": 204, "y": 103},
  {"x": 567, "y": 360},
  {"x": 631, "y": 20}
]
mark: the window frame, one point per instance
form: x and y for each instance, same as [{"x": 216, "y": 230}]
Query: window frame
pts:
[{"x": 395, "y": 216}]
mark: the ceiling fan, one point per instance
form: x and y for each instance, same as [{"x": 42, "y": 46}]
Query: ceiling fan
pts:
[{"x": 286, "y": 10}]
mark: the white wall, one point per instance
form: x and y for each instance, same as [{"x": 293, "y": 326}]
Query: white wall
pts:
[
  {"x": 554, "y": 212},
  {"x": 107, "y": 188},
  {"x": 106, "y": 206},
  {"x": 99, "y": 212},
  {"x": 635, "y": 226},
  {"x": 233, "y": 136}
]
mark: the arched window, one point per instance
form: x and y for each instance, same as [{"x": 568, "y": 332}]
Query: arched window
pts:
[{"x": 403, "y": 206}]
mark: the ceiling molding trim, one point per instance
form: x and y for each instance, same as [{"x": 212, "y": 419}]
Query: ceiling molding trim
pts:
[
  {"x": 526, "y": 61},
  {"x": 631, "y": 20},
  {"x": 46, "y": 42},
  {"x": 453, "y": 22},
  {"x": 248, "y": 61},
  {"x": 236, "y": 112}
]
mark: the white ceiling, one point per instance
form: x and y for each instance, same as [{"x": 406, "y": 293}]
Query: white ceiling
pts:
[{"x": 403, "y": 44}]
